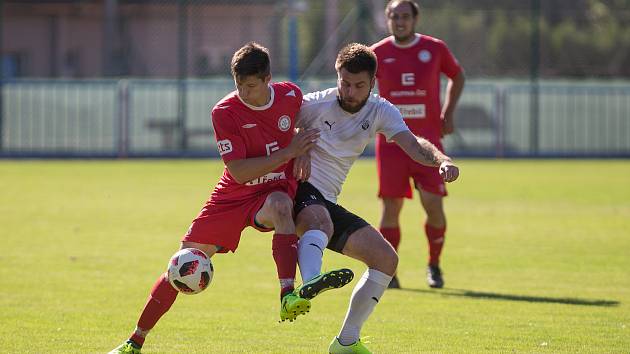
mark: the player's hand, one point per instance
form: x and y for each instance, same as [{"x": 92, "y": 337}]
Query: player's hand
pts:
[
  {"x": 302, "y": 167},
  {"x": 449, "y": 171},
  {"x": 303, "y": 141},
  {"x": 448, "y": 125}
]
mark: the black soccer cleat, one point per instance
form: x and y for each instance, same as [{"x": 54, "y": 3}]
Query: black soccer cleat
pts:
[
  {"x": 325, "y": 281},
  {"x": 394, "y": 284},
  {"x": 434, "y": 276}
]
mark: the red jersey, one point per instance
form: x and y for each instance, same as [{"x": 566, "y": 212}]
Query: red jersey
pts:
[
  {"x": 409, "y": 77},
  {"x": 244, "y": 131}
]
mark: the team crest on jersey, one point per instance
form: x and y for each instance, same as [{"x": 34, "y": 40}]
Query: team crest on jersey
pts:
[
  {"x": 284, "y": 123},
  {"x": 365, "y": 124},
  {"x": 424, "y": 56}
]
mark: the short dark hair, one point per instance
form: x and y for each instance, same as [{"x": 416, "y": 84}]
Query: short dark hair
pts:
[
  {"x": 251, "y": 59},
  {"x": 356, "y": 58},
  {"x": 415, "y": 8}
]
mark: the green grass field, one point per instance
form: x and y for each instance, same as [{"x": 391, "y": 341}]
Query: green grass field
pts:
[{"x": 537, "y": 260}]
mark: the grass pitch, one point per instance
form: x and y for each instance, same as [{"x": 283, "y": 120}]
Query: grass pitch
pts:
[{"x": 537, "y": 260}]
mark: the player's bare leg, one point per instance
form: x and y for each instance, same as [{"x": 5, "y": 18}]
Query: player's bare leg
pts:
[
  {"x": 435, "y": 229},
  {"x": 277, "y": 213},
  {"x": 368, "y": 246},
  {"x": 390, "y": 227},
  {"x": 209, "y": 250},
  {"x": 391, "y": 212}
]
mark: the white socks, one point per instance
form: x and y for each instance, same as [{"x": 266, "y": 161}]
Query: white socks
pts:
[
  {"x": 310, "y": 252},
  {"x": 365, "y": 296}
]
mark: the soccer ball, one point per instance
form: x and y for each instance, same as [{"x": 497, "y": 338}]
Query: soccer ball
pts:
[{"x": 190, "y": 271}]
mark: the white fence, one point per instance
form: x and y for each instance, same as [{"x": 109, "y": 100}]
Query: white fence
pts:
[{"x": 129, "y": 118}]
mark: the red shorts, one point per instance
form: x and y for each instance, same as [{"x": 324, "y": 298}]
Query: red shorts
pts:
[
  {"x": 395, "y": 168},
  {"x": 221, "y": 224}
]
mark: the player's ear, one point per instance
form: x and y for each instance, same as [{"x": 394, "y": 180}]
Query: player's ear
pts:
[
  {"x": 372, "y": 83},
  {"x": 267, "y": 79}
]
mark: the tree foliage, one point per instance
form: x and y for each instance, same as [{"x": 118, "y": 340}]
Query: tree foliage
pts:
[{"x": 576, "y": 38}]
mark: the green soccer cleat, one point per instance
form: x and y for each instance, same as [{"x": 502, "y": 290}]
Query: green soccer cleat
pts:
[
  {"x": 325, "y": 281},
  {"x": 125, "y": 348},
  {"x": 354, "y": 348},
  {"x": 293, "y": 306}
]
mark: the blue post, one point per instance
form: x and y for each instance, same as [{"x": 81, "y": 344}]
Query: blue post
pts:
[
  {"x": 293, "y": 47},
  {"x": 534, "y": 95},
  {"x": 2, "y": 68}
]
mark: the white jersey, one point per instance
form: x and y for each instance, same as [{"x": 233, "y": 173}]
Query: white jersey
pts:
[{"x": 343, "y": 135}]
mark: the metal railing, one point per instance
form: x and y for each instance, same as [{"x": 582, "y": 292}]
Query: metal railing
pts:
[{"x": 140, "y": 118}]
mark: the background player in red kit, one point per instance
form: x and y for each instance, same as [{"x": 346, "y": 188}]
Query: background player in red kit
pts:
[
  {"x": 254, "y": 128},
  {"x": 409, "y": 68}
]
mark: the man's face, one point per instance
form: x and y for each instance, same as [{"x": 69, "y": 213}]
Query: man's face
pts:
[
  {"x": 401, "y": 22},
  {"x": 354, "y": 89},
  {"x": 253, "y": 90}
]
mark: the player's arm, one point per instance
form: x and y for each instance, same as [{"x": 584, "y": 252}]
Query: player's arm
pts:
[
  {"x": 245, "y": 170},
  {"x": 454, "y": 89},
  {"x": 302, "y": 164},
  {"x": 424, "y": 152}
]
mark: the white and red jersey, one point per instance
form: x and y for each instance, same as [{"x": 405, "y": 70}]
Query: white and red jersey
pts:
[
  {"x": 244, "y": 131},
  {"x": 409, "y": 77}
]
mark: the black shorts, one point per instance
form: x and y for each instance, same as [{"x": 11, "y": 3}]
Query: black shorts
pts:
[{"x": 344, "y": 222}]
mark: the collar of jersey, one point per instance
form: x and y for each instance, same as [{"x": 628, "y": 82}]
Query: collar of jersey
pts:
[
  {"x": 411, "y": 44},
  {"x": 260, "y": 108}
]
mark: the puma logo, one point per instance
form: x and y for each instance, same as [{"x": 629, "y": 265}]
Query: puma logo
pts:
[
  {"x": 316, "y": 246},
  {"x": 375, "y": 299}
]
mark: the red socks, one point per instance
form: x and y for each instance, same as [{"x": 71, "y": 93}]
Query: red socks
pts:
[
  {"x": 284, "y": 249},
  {"x": 435, "y": 236},
  {"x": 162, "y": 296},
  {"x": 391, "y": 234}
]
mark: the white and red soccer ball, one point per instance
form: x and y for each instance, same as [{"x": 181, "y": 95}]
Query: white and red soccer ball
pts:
[{"x": 190, "y": 271}]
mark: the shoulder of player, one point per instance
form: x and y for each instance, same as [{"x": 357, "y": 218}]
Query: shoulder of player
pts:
[
  {"x": 319, "y": 97},
  {"x": 428, "y": 40},
  {"x": 381, "y": 103},
  {"x": 285, "y": 87},
  {"x": 226, "y": 104},
  {"x": 387, "y": 41},
  {"x": 227, "y": 100}
]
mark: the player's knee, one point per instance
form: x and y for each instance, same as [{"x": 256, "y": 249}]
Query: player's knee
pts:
[
  {"x": 315, "y": 218},
  {"x": 323, "y": 226},
  {"x": 282, "y": 206},
  {"x": 327, "y": 228},
  {"x": 433, "y": 205},
  {"x": 385, "y": 260},
  {"x": 436, "y": 217},
  {"x": 390, "y": 262},
  {"x": 392, "y": 205}
]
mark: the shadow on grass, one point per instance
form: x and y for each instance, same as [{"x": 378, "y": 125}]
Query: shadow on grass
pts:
[{"x": 510, "y": 297}]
